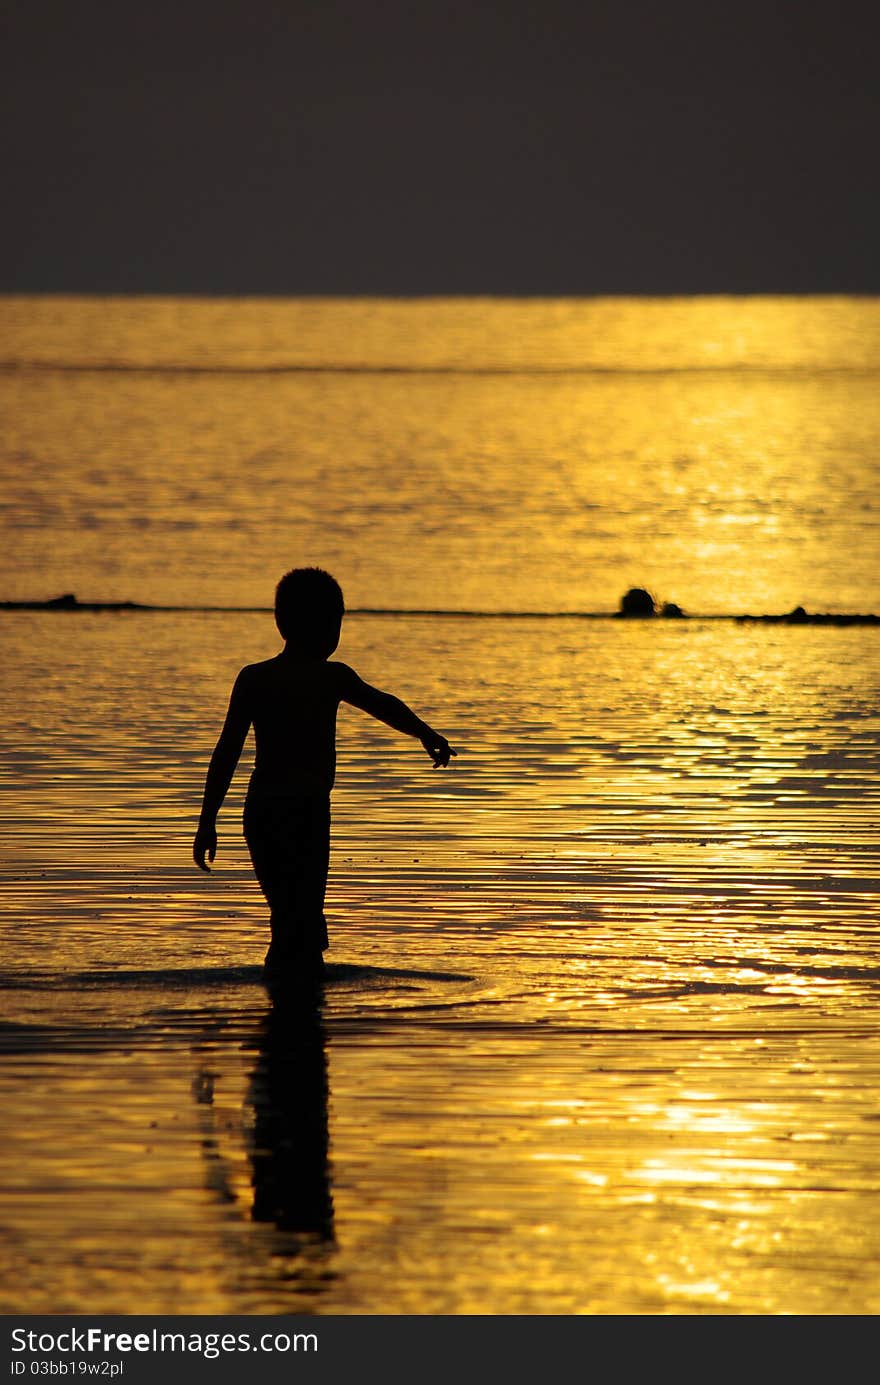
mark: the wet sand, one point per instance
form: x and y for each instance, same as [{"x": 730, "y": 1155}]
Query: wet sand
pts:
[{"x": 600, "y": 1028}]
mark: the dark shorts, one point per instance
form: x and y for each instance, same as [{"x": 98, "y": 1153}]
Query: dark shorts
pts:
[{"x": 289, "y": 841}]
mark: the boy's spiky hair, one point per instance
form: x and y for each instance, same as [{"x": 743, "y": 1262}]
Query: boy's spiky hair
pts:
[{"x": 309, "y": 607}]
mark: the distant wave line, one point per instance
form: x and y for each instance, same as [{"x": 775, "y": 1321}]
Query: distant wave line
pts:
[
  {"x": 449, "y": 368},
  {"x": 798, "y": 617}
]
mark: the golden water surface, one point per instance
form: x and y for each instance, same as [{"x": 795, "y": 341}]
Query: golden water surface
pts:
[
  {"x": 600, "y": 1033},
  {"x": 515, "y": 456}
]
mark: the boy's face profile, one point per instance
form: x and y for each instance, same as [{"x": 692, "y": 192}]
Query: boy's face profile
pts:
[{"x": 308, "y": 612}]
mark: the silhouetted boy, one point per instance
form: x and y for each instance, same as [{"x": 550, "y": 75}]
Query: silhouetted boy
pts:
[{"x": 291, "y": 702}]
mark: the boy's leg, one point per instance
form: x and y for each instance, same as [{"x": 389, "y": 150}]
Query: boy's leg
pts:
[{"x": 289, "y": 844}]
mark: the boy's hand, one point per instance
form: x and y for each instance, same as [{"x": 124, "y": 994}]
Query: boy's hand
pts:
[
  {"x": 438, "y": 748},
  {"x": 205, "y": 843}
]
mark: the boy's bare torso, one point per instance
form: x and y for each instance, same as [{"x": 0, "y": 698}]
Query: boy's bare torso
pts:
[{"x": 292, "y": 704}]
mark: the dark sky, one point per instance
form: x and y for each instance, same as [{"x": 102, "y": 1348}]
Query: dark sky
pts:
[{"x": 285, "y": 146}]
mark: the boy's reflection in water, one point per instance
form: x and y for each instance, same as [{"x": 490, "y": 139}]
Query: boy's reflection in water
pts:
[{"x": 288, "y": 1092}]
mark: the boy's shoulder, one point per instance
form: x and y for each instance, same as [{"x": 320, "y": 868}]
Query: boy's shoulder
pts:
[
  {"x": 343, "y": 675},
  {"x": 341, "y": 670},
  {"x": 268, "y": 671},
  {"x": 252, "y": 672},
  {"x": 254, "y": 677}
]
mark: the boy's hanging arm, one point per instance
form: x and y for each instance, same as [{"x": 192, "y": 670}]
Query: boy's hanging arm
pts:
[{"x": 224, "y": 759}]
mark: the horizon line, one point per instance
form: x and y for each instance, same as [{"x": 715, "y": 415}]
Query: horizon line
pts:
[
  {"x": 68, "y": 604},
  {"x": 421, "y": 295}
]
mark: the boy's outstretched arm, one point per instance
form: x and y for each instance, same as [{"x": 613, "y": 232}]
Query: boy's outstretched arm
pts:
[
  {"x": 385, "y": 707},
  {"x": 220, "y": 771}
]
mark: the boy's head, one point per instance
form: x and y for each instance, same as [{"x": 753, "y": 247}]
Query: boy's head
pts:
[{"x": 309, "y": 610}]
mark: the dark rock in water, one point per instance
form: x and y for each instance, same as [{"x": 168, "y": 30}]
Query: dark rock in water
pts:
[
  {"x": 801, "y": 617},
  {"x": 68, "y": 602},
  {"x": 671, "y": 611},
  {"x": 637, "y": 602}
]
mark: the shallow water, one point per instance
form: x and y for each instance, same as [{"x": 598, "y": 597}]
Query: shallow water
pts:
[{"x": 600, "y": 1032}]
